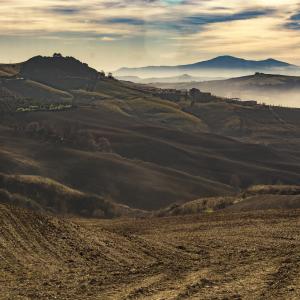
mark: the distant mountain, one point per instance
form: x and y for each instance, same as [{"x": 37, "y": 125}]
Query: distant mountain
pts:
[
  {"x": 231, "y": 62},
  {"x": 219, "y": 63}
]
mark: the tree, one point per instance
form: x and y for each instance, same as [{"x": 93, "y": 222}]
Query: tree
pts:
[
  {"x": 101, "y": 74},
  {"x": 57, "y": 55},
  {"x": 194, "y": 93},
  {"x": 186, "y": 95}
]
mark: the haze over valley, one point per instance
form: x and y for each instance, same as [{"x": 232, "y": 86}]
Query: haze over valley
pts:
[{"x": 268, "y": 81}]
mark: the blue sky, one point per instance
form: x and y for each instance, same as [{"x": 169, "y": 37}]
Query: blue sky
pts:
[{"x": 112, "y": 34}]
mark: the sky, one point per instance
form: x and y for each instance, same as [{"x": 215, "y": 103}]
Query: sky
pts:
[{"x": 132, "y": 33}]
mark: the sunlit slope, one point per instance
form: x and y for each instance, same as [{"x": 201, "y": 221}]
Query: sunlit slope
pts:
[
  {"x": 45, "y": 195},
  {"x": 258, "y": 197},
  {"x": 36, "y": 91}
]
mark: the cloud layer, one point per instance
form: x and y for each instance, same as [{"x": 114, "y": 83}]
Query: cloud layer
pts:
[{"x": 151, "y": 31}]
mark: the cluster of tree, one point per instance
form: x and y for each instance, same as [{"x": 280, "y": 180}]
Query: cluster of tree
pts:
[
  {"x": 101, "y": 74},
  {"x": 197, "y": 96}
]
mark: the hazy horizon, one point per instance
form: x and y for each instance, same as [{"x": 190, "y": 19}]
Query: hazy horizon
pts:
[
  {"x": 178, "y": 73},
  {"x": 113, "y": 34}
]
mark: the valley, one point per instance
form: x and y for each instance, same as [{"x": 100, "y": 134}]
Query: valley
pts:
[
  {"x": 116, "y": 190},
  {"x": 149, "y": 150},
  {"x": 140, "y": 146}
]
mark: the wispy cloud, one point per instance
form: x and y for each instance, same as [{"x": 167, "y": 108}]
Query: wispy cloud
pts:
[
  {"x": 191, "y": 28},
  {"x": 118, "y": 16},
  {"x": 294, "y": 22}
]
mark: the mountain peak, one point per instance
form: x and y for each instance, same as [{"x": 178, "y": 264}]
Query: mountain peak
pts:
[
  {"x": 229, "y": 57},
  {"x": 232, "y": 62}
]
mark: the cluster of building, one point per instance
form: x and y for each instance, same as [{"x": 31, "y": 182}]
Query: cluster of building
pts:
[{"x": 194, "y": 95}]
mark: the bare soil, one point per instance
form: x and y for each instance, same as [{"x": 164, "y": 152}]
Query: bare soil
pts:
[{"x": 215, "y": 256}]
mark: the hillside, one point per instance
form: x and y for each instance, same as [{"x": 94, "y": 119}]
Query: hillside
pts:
[
  {"x": 255, "y": 198},
  {"x": 46, "y": 195},
  {"x": 137, "y": 145},
  {"x": 233, "y": 256}
]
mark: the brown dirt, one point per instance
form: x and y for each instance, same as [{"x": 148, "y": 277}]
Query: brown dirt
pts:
[{"x": 216, "y": 256}]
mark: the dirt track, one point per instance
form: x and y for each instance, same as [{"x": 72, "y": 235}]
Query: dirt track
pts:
[{"x": 230, "y": 256}]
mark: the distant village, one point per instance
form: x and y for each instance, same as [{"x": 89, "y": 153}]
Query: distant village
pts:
[{"x": 197, "y": 96}]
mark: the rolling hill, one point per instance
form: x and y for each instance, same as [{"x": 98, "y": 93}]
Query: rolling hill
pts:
[
  {"x": 97, "y": 176},
  {"x": 135, "y": 145},
  {"x": 45, "y": 195},
  {"x": 255, "y": 198}
]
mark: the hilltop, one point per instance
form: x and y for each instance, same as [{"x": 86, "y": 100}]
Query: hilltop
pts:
[{"x": 65, "y": 73}]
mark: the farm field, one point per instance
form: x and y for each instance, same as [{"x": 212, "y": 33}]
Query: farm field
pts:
[{"x": 213, "y": 256}]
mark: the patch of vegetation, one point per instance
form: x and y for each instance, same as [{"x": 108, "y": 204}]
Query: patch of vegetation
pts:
[
  {"x": 43, "y": 194},
  {"x": 273, "y": 190},
  {"x": 203, "y": 205}
]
